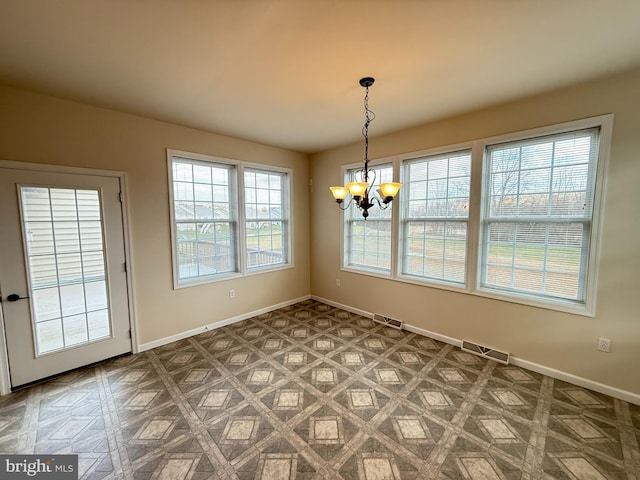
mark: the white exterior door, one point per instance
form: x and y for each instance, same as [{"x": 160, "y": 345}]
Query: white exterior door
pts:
[{"x": 63, "y": 279}]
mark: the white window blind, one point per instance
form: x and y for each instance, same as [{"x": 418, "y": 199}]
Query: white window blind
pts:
[
  {"x": 66, "y": 262},
  {"x": 537, "y": 215},
  {"x": 368, "y": 242},
  {"x": 435, "y": 217}
]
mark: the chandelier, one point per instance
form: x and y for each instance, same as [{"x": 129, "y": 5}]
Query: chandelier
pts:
[{"x": 360, "y": 190}]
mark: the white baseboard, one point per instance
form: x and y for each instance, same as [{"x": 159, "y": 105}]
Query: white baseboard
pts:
[
  {"x": 221, "y": 323},
  {"x": 518, "y": 362},
  {"x": 436, "y": 336},
  {"x": 342, "y": 307},
  {"x": 576, "y": 380},
  {"x": 544, "y": 370}
]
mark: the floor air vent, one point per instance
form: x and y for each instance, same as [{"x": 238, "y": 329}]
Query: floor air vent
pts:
[
  {"x": 389, "y": 322},
  {"x": 497, "y": 355}
]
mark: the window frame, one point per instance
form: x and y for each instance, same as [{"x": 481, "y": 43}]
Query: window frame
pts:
[
  {"x": 405, "y": 219},
  {"x": 587, "y": 307},
  {"x": 478, "y": 150},
  {"x": 285, "y": 217},
  {"x": 237, "y": 199},
  {"x": 347, "y": 176}
]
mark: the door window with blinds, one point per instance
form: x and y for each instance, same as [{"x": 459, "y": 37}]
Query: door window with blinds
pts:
[
  {"x": 65, "y": 254},
  {"x": 538, "y": 205},
  {"x": 435, "y": 217}
]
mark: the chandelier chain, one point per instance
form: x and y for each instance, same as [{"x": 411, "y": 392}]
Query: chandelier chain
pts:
[
  {"x": 363, "y": 180},
  {"x": 369, "y": 116}
]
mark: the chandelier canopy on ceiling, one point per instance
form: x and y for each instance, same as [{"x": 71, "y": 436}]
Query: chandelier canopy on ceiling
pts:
[{"x": 360, "y": 190}]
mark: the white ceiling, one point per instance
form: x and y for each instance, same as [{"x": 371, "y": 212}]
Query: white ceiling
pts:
[{"x": 286, "y": 73}]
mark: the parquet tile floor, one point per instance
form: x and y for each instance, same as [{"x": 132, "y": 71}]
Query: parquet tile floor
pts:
[{"x": 314, "y": 392}]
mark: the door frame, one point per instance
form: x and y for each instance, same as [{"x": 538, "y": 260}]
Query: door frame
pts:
[{"x": 5, "y": 380}]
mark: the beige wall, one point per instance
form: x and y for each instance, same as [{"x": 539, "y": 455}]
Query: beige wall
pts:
[
  {"x": 557, "y": 340},
  {"x": 41, "y": 129}
]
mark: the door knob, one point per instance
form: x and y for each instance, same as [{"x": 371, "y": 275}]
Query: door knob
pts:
[{"x": 14, "y": 297}]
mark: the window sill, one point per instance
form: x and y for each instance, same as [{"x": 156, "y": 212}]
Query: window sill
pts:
[
  {"x": 204, "y": 280},
  {"x": 268, "y": 269},
  {"x": 575, "y": 308},
  {"x": 368, "y": 272}
]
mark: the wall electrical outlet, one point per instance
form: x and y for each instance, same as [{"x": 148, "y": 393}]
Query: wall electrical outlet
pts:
[
  {"x": 232, "y": 294},
  {"x": 604, "y": 344},
  {"x": 337, "y": 282}
]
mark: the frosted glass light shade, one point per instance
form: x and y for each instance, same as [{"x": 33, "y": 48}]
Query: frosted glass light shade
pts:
[
  {"x": 339, "y": 193},
  {"x": 390, "y": 189},
  {"x": 357, "y": 189}
]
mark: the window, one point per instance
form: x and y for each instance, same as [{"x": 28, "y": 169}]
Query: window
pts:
[
  {"x": 204, "y": 218},
  {"x": 209, "y": 217},
  {"x": 265, "y": 217},
  {"x": 368, "y": 242},
  {"x": 538, "y": 205},
  {"x": 514, "y": 217},
  {"x": 435, "y": 214}
]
